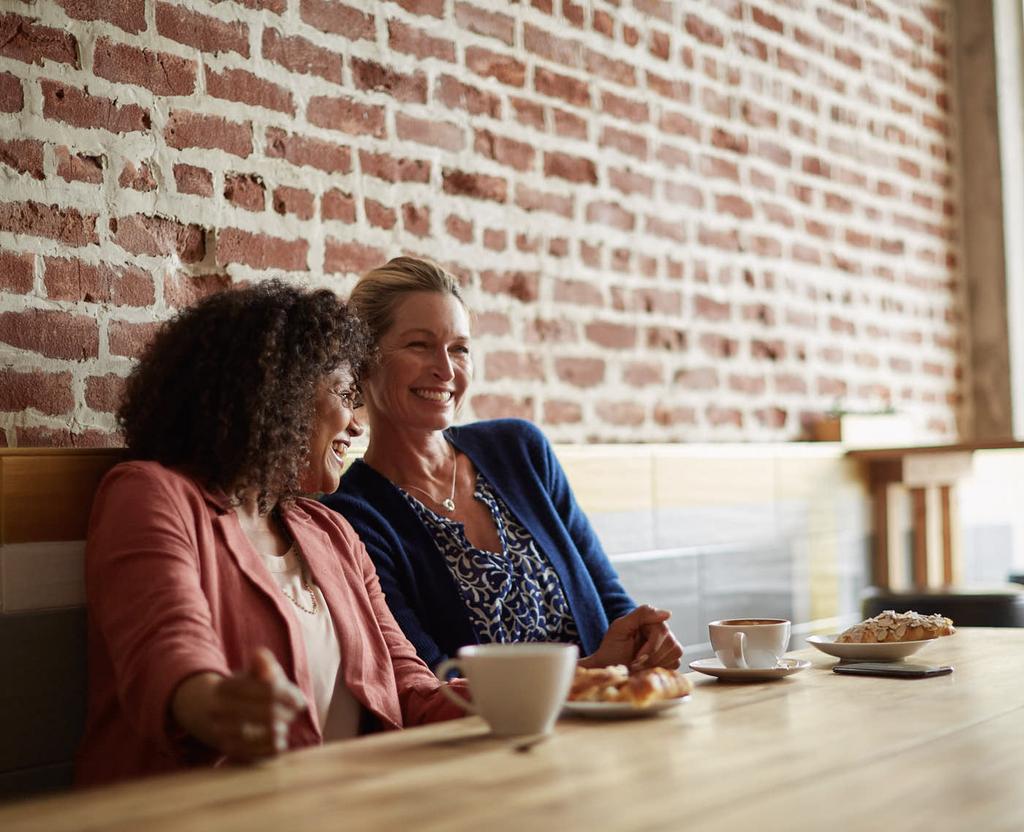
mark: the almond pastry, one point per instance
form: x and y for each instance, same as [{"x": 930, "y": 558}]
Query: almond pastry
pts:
[
  {"x": 897, "y": 626},
  {"x": 616, "y": 684}
]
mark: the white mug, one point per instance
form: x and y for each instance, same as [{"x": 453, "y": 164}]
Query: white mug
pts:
[
  {"x": 517, "y": 688},
  {"x": 750, "y": 642}
]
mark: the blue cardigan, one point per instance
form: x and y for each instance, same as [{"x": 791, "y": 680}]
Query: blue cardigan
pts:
[{"x": 518, "y": 461}]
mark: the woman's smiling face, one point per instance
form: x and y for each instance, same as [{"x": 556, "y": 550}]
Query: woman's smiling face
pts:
[
  {"x": 334, "y": 426},
  {"x": 425, "y": 365}
]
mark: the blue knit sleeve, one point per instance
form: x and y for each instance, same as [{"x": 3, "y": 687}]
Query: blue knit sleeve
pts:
[{"x": 614, "y": 598}]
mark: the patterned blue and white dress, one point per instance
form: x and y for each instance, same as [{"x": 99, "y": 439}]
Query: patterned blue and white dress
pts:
[{"x": 513, "y": 595}]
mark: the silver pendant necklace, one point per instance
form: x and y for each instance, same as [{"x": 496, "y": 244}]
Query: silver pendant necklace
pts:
[{"x": 448, "y": 503}]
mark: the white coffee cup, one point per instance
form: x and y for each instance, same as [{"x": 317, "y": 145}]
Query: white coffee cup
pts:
[
  {"x": 750, "y": 642},
  {"x": 517, "y": 688}
]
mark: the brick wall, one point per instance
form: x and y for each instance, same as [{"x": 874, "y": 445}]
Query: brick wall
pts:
[{"x": 676, "y": 220}]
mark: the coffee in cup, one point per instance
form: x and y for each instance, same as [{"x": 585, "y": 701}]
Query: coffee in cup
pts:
[
  {"x": 749, "y": 642},
  {"x": 516, "y": 688}
]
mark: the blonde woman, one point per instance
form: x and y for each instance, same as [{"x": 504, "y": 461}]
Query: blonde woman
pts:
[{"x": 474, "y": 530}]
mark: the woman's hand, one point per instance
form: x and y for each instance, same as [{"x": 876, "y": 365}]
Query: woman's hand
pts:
[
  {"x": 639, "y": 639},
  {"x": 245, "y": 716}
]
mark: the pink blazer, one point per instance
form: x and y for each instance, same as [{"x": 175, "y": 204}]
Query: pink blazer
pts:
[{"x": 174, "y": 588}]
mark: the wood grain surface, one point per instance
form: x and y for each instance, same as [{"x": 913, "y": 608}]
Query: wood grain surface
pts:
[
  {"x": 814, "y": 751},
  {"x": 46, "y": 493}
]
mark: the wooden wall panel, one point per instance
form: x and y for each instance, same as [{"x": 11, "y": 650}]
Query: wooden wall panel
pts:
[{"x": 46, "y": 493}]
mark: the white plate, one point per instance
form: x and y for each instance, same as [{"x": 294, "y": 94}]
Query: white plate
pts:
[
  {"x": 785, "y": 667},
  {"x": 620, "y": 710},
  {"x": 888, "y": 651}
]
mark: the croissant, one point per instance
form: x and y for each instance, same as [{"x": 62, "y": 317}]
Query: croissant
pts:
[
  {"x": 897, "y": 626},
  {"x": 598, "y": 684},
  {"x": 616, "y": 684},
  {"x": 654, "y": 684}
]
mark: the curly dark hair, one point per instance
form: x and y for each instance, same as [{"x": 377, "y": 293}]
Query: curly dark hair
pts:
[{"x": 226, "y": 390}]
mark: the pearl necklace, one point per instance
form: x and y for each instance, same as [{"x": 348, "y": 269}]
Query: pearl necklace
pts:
[{"x": 314, "y": 606}]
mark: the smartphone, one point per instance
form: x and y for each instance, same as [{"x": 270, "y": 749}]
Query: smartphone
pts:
[{"x": 904, "y": 670}]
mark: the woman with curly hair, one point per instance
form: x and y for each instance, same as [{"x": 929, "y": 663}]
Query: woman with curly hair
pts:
[{"x": 230, "y": 619}]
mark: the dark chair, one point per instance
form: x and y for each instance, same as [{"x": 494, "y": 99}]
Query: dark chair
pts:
[
  {"x": 42, "y": 699},
  {"x": 1001, "y": 606}
]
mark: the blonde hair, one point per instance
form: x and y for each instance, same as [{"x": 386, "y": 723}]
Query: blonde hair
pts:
[{"x": 378, "y": 292}]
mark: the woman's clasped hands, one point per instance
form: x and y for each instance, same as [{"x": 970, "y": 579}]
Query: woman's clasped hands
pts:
[
  {"x": 639, "y": 639},
  {"x": 245, "y": 716}
]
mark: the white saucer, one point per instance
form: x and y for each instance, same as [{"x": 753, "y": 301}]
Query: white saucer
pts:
[
  {"x": 889, "y": 651},
  {"x": 785, "y": 667}
]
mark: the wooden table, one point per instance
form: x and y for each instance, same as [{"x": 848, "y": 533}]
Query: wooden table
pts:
[{"x": 815, "y": 751}]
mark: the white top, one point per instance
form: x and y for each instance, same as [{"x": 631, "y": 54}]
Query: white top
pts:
[{"x": 336, "y": 708}]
